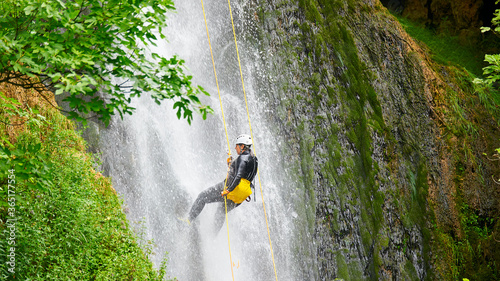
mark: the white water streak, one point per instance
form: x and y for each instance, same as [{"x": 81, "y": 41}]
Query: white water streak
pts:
[{"x": 160, "y": 164}]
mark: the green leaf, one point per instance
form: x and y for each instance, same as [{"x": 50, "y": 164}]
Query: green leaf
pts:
[
  {"x": 5, "y": 150},
  {"x": 29, "y": 9},
  {"x": 88, "y": 51},
  {"x": 485, "y": 29}
]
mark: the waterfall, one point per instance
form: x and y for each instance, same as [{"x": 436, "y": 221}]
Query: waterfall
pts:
[{"x": 159, "y": 164}]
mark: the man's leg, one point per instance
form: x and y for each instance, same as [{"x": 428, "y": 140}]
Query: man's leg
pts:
[
  {"x": 209, "y": 195},
  {"x": 220, "y": 214}
]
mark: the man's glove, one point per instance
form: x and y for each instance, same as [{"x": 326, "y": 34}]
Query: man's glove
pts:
[
  {"x": 229, "y": 160},
  {"x": 224, "y": 193}
]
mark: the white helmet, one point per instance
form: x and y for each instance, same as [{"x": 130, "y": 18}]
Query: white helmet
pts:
[{"x": 244, "y": 139}]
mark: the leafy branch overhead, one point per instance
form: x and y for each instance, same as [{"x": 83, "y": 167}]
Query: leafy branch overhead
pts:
[
  {"x": 492, "y": 71},
  {"x": 95, "y": 52}
]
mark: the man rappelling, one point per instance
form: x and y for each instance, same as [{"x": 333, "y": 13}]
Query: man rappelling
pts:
[{"x": 236, "y": 188}]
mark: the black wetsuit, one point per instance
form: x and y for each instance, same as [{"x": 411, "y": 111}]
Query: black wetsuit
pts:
[{"x": 245, "y": 166}]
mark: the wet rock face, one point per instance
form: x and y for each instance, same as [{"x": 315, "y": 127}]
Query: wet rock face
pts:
[
  {"x": 350, "y": 97},
  {"x": 355, "y": 101}
]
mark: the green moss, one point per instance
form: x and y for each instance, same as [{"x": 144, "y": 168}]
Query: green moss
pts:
[
  {"x": 342, "y": 268},
  {"x": 326, "y": 41},
  {"x": 446, "y": 49},
  {"x": 467, "y": 256},
  {"x": 384, "y": 241},
  {"x": 410, "y": 272},
  {"x": 70, "y": 221},
  {"x": 355, "y": 271}
]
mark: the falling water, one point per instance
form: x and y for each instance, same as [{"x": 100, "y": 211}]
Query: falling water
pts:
[{"x": 159, "y": 164}]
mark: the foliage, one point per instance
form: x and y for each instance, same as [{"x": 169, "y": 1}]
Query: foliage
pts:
[
  {"x": 447, "y": 50},
  {"x": 444, "y": 48},
  {"x": 469, "y": 109},
  {"x": 96, "y": 52},
  {"x": 69, "y": 224},
  {"x": 28, "y": 164},
  {"x": 496, "y": 157},
  {"x": 494, "y": 22},
  {"x": 492, "y": 71},
  {"x": 469, "y": 254}
]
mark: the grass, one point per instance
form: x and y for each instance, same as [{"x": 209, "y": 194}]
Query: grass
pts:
[
  {"x": 66, "y": 220},
  {"x": 446, "y": 49},
  {"x": 468, "y": 250}
]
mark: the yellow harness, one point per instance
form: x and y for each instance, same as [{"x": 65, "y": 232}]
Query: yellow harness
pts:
[
  {"x": 249, "y": 191},
  {"x": 240, "y": 192}
]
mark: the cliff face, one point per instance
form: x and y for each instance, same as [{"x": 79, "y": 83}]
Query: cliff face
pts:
[
  {"x": 388, "y": 148},
  {"x": 388, "y": 145}
]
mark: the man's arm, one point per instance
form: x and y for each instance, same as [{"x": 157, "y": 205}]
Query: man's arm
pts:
[{"x": 240, "y": 169}]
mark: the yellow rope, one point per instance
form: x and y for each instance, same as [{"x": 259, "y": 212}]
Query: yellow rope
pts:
[
  {"x": 227, "y": 137},
  {"x": 251, "y": 134}
]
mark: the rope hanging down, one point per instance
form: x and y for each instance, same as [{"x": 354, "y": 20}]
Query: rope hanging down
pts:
[
  {"x": 227, "y": 137},
  {"x": 251, "y": 134}
]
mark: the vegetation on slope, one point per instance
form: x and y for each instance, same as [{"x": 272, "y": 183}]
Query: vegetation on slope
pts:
[
  {"x": 59, "y": 218},
  {"x": 470, "y": 114},
  {"x": 466, "y": 123},
  {"x": 446, "y": 49}
]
